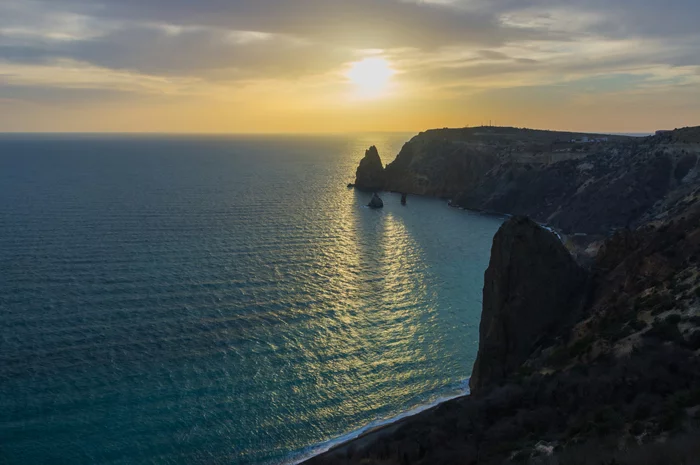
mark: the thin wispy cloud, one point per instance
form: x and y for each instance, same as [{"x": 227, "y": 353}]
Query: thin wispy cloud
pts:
[{"x": 291, "y": 56}]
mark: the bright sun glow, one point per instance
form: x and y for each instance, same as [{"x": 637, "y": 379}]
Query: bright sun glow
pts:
[{"x": 371, "y": 76}]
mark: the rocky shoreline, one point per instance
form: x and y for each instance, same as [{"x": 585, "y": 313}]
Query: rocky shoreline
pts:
[
  {"x": 575, "y": 187},
  {"x": 590, "y": 357}
]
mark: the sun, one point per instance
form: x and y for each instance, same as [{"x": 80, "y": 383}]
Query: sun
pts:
[{"x": 370, "y": 76}]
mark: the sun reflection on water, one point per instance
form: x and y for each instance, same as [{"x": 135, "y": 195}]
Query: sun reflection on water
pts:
[
  {"x": 255, "y": 310},
  {"x": 369, "y": 335}
]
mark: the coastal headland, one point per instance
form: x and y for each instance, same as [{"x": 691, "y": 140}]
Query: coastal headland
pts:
[{"x": 589, "y": 347}]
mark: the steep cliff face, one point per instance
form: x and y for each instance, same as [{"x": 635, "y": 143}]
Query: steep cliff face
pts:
[
  {"x": 590, "y": 188},
  {"x": 531, "y": 287},
  {"x": 626, "y": 373},
  {"x": 437, "y": 167},
  {"x": 613, "y": 188},
  {"x": 446, "y": 162},
  {"x": 595, "y": 365},
  {"x": 370, "y": 173}
]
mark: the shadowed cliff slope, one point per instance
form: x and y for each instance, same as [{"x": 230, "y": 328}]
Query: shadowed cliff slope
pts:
[
  {"x": 437, "y": 167},
  {"x": 623, "y": 376},
  {"x": 577, "y": 183},
  {"x": 576, "y": 367},
  {"x": 370, "y": 174},
  {"x": 531, "y": 287}
]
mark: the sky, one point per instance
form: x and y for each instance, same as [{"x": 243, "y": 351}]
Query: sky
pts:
[{"x": 317, "y": 66}]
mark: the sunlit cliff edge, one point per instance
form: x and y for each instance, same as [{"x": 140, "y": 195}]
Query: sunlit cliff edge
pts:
[
  {"x": 584, "y": 358},
  {"x": 577, "y": 183}
]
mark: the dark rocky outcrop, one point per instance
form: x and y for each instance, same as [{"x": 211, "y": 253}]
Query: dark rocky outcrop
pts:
[
  {"x": 605, "y": 390},
  {"x": 591, "y": 188},
  {"x": 532, "y": 286},
  {"x": 594, "y": 367},
  {"x": 593, "y": 195},
  {"x": 376, "y": 202},
  {"x": 370, "y": 173},
  {"x": 437, "y": 167}
]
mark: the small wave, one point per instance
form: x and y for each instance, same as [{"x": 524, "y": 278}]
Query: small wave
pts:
[{"x": 319, "y": 449}]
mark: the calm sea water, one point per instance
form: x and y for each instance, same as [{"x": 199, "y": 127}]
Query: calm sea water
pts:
[{"x": 220, "y": 300}]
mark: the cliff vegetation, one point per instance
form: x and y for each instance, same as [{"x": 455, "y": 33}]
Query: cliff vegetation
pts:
[{"x": 588, "y": 361}]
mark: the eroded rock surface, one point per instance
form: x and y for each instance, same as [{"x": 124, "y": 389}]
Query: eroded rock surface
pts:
[
  {"x": 376, "y": 202},
  {"x": 370, "y": 173},
  {"x": 532, "y": 285}
]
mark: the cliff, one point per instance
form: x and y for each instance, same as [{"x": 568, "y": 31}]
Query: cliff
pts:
[
  {"x": 576, "y": 366},
  {"x": 577, "y": 187},
  {"x": 437, "y": 167},
  {"x": 532, "y": 287},
  {"x": 618, "y": 382},
  {"x": 370, "y": 173}
]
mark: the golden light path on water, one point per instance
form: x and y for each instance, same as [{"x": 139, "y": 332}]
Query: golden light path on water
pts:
[
  {"x": 356, "y": 350},
  {"x": 222, "y": 300}
]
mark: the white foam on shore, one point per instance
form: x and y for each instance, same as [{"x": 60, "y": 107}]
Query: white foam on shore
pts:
[{"x": 328, "y": 445}]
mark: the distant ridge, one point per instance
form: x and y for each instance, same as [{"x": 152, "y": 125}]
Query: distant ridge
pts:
[{"x": 576, "y": 182}]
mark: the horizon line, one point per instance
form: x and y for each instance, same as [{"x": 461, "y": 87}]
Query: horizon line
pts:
[{"x": 304, "y": 133}]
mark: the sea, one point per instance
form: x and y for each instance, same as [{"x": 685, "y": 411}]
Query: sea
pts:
[{"x": 221, "y": 299}]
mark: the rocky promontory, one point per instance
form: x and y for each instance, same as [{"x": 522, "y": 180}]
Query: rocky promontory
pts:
[
  {"x": 608, "y": 372},
  {"x": 370, "y": 173},
  {"x": 576, "y": 183},
  {"x": 532, "y": 287},
  {"x": 596, "y": 364}
]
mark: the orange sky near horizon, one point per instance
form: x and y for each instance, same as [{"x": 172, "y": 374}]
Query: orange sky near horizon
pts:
[{"x": 328, "y": 66}]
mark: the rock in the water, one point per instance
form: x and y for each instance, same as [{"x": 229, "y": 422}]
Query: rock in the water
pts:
[
  {"x": 531, "y": 287},
  {"x": 370, "y": 173},
  {"x": 376, "y": 202}
]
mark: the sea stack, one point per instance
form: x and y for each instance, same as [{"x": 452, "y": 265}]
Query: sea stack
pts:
[
  {"x": 531, "y": 288},
  {"x": 370, "y": 173},
  {"x": 376, "y": 202}
]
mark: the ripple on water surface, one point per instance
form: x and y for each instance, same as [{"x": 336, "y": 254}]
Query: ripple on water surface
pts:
[{"x": 220, "y": 300}]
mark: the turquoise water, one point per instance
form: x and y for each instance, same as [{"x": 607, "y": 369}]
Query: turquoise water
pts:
[{"x": 220, "y": 300}]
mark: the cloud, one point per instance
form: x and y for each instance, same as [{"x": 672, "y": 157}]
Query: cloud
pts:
[
  {"x": 357, "y": 23},
  {"x": 183, "y": 51},
  {"x": 77, "y": 50},
  {"x": 60, "y": 96},
  {"x": 493, "y": 55},
  {"x": 310, "y": 36},
  {"x": 619, "y": 19},
  {"x": 71, "y": 75}
]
